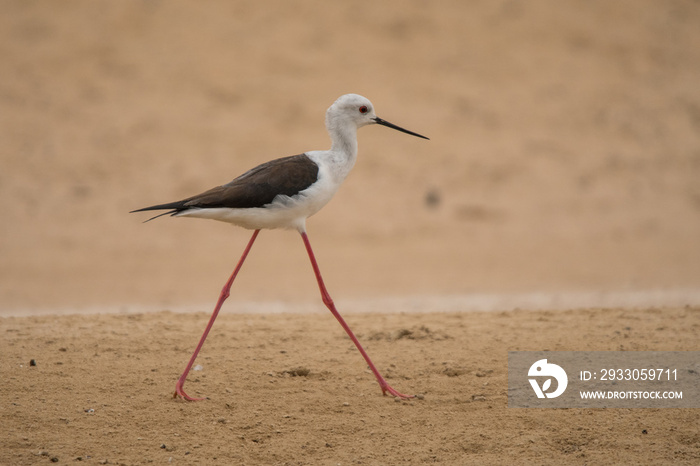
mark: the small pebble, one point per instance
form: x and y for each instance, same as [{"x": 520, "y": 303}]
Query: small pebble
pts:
[
  {"x": 198, "y": 367},
  {"x": 32, "y": 362},
  {"x": 432, "y": 198}
]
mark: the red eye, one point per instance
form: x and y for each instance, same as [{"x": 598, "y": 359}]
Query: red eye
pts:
[{"x": 363, "y": 109}]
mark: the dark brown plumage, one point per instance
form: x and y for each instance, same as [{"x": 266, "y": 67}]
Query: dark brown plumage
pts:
[{"x": 255, "y": 188}]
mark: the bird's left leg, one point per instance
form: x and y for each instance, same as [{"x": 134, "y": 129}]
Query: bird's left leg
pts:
[
  {"x": 331, "y": 306},
  {"x": 225, "y": 292}
]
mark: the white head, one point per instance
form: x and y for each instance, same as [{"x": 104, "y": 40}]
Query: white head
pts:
[
  {"x": 354, "y": 109},
  {"x": 350, "y": 108}
]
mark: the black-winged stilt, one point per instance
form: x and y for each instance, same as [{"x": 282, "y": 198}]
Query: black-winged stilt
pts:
[{"x": 283, "y": 193}]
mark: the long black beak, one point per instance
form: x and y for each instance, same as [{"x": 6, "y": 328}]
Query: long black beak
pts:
[{"x": 379, "y": 121}]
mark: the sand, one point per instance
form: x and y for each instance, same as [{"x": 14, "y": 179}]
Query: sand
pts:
[
  {"x": 292, "y": 389},
  {"x": 561, "y": 179}
]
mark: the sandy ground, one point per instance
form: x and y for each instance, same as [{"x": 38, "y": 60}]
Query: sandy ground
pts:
[
  {"x": 562, "y": 172},
  {"x": 101, "y": 390}
]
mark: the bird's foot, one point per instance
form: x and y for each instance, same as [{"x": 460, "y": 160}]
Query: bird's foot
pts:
[
  {"x": 386, "y": 388},
  {"x": 180, "y": 392}
]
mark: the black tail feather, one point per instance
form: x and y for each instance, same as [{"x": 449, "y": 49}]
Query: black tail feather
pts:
[
  {"x": 172, "y": 209},
  {"x": 171, "y": 212}
]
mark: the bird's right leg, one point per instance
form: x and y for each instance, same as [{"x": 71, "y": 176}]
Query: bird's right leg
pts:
[
  {"x": 225, "y": 293},
  {"x": 328, "y": 301}
]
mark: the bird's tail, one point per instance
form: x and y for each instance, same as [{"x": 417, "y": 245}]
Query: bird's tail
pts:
[{"x": 171, "y": 209}]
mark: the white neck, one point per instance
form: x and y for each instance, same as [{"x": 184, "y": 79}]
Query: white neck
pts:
[
  {"x": 343, "y": 136},
  {"x": 344, "y": 145}
]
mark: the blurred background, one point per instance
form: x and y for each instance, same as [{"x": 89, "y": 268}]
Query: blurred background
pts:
[{"x": 564, "y": 153}]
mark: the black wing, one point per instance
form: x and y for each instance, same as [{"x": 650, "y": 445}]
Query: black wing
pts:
[{"x": 255, "y": 188}]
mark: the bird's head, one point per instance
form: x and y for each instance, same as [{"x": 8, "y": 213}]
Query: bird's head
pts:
[{"x": 358, "y": 110}]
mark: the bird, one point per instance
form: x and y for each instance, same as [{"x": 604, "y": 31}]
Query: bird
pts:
[{"x": 283, "y": 193}]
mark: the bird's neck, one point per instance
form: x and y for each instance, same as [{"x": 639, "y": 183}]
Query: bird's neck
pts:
[
  {"x": 343, "y": 153},
  {"x": 344, "y": 140}
]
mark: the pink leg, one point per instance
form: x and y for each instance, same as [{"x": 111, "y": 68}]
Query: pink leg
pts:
[
  {"x": 329, "y": 304},
  {"x": 225, "y": 292}
]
